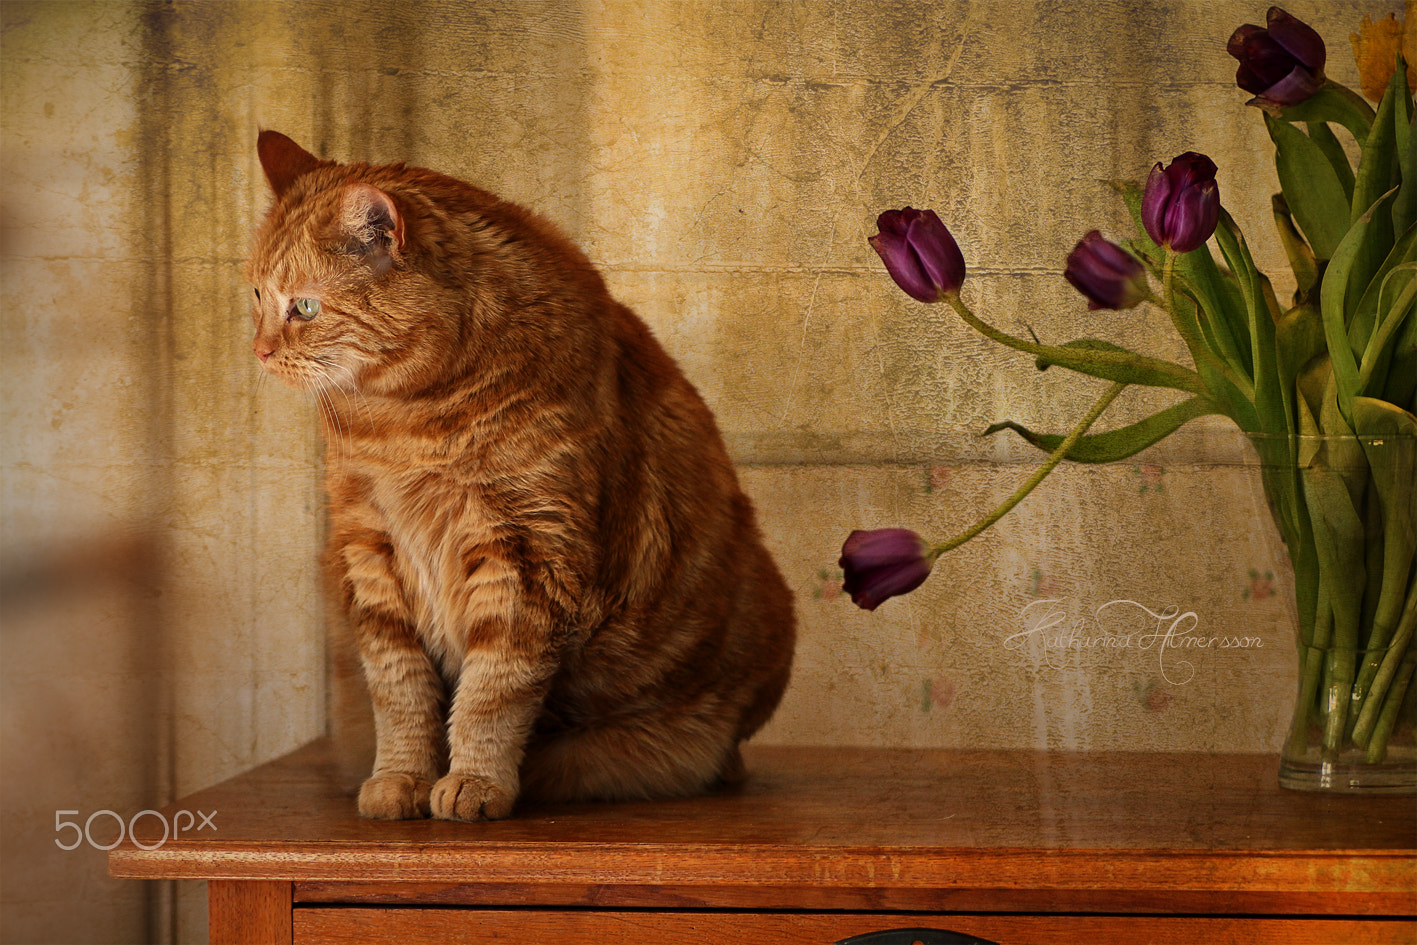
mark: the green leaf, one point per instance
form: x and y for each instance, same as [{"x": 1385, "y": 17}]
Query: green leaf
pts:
[
  {"x": 1121, "y": 443},
  {"x": 1231, "y": 390},
  {"x": 1312, "y": 385},
  {"x": 1120, "y": 365},
  {"x": 1377, "y": 169},
  {"x": 1102, "y": 359},
  {"x": 1129, "y": 190},
  {"x": 1310, "y": 185},
  {"x": 1301, "y": 258},
  {"x": 1404, "y": 207},
  {"x": 1341, "y": 452},
  {"x": 1214, "y": 312},
  {"x": 1081, "y": 344},
  {"x": 1222, "y": 305},
  {"x": 1298, "y": 339},
  {"x": 1401, "y": 388},
  {"x": 1401, "y": 287},
  {"x": 1321, "y": 135},
  {"x": 1334, "y": 103},
  {"x": 1366, "y": 312},
  {"x": 1378, "y": 176},
  {"x": 1394, "y": 475},
  {"x": 1347, "y": 264},
  {"x": 1268, "y": 398}
]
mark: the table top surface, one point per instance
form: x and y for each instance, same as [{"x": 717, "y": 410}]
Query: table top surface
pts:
[
  {"x": 847, "y": 816},
  {"x": 862, "y": 797}
]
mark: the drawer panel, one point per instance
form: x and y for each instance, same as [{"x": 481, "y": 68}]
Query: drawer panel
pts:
[{"x": 349, "y": 925}]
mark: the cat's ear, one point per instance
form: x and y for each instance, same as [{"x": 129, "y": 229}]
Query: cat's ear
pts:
[
  {"x": 283, "y": 160},
  {"x": 373, "y": 223}
]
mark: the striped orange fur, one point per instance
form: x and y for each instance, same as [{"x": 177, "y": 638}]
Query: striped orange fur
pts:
[{"x": 539, "y": 552}]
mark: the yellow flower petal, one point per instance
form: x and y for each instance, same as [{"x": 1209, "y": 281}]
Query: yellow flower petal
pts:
[
  {"x": 1409, "y": 42},
  {"x": 1376, "y": 46}
]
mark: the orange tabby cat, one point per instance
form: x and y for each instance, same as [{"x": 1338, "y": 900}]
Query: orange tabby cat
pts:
[{"x": 537, "y": 542}]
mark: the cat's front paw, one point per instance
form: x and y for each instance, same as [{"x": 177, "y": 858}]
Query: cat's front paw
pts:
[
  {"x": 468, "y": 797},
  {"x": 394, "y": 797}
]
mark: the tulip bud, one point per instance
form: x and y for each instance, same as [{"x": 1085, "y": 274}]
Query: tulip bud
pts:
[
  {"x": 1105, "y": 273},
  {"x": 1181, "y": 204},
  {"x": 919, "y": 252},
  {"x": 883, "y": 563},
  {"x": 1281, "y": 64}
]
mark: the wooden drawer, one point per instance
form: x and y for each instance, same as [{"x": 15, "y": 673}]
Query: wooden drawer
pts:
[{"x": 348, "y": 926}]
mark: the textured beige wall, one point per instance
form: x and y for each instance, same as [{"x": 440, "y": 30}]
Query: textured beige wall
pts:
[{"x": 723, "y": 162}]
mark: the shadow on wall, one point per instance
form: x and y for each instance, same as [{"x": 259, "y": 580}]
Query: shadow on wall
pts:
[
  {"x": 86, "y": 733},
  {"x": 162, "y": 505}
]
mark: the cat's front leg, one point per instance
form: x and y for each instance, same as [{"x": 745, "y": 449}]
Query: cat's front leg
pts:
[
  {"x": 407, "y": 696},
  {"x": 406, "y": 692},
  {"x": 498, "y": 697}
]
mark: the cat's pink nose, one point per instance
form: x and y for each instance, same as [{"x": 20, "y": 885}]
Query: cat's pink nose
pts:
[{"x": 263, "y": 349}]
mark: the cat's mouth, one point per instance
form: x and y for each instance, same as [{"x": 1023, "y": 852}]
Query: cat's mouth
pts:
[
  {"x": 271, "y": 362},
  {"x": 304, "y": 373},
  {"x": 316, "y": 376},
  {"x": 278, "y": 367},
  {"x": 294, "y": 383}
]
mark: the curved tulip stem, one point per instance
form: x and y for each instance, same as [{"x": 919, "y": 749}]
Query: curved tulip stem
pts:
[
  {"x": 989, "y": 331},
  {"x": 1056, "y": 457},
  {"x": 1119, "y": 366}
]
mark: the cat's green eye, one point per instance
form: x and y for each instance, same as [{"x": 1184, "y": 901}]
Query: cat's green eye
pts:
[{"x": 305, "y": 308}]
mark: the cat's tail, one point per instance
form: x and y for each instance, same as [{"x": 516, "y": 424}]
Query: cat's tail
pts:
[{"x": 655, "y": 755}]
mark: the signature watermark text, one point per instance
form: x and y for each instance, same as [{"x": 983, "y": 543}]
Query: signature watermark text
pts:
[{"x": 1121, "y": 625}]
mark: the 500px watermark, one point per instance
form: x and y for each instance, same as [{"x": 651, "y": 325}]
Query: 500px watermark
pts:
[{"x": 170, "y": 830}]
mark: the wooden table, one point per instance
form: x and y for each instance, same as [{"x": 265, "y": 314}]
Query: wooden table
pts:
[{"x": 818, "y": 846}]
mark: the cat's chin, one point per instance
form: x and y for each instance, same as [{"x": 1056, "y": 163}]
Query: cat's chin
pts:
[
  {"x": 298, "y": 381},
  {"x": 294, "y": 383}
]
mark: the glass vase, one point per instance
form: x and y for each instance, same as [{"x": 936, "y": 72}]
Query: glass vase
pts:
[{"x": 1346, "y": 507}]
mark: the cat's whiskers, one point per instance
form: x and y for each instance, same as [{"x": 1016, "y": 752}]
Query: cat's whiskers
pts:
[
  {"x": 346, "y": 440},
  {"x": 334, "y": 434},
  {"x": 342, "y": 433},
  {"x": 320, "y": 384},
  {"x": 347, "y": 388}
]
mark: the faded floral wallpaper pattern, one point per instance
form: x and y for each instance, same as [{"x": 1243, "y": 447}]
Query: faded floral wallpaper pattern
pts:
[
  {"x": 723, "y": 162},
  {"x": 1092, "y": 617}
]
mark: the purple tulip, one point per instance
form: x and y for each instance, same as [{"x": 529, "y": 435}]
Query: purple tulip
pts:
[
  {"x": 1280, "y": 65},
  {"x": 883, "y": 563},
  {"x": 1105, "y": 273},
  {"x": 919, "y": 252},
  {"x": 1181, "y": 204}
]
